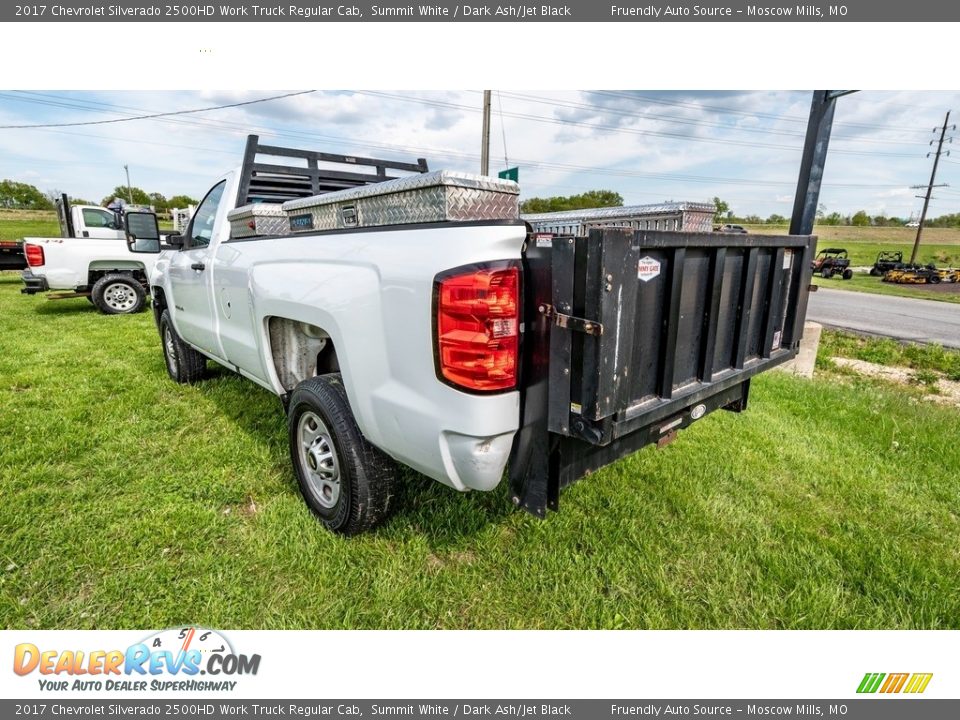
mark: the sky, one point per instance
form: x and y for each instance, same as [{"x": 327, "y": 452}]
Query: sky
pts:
[{"x": 650, "y": 146}]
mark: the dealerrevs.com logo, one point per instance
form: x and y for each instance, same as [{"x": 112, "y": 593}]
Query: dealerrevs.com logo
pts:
[{"x": 168, "y": 660}]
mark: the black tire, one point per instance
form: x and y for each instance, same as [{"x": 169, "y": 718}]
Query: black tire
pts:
[
  {"x": 184, "y": 364},
  {"x": 826, "y": 273},
  {"x": 117, "y": 294},
  {"x": 875, "y": 273},
  {"x": 345, "y": 481},
  {"x": 847, "y": 274},
  {"x": 934, "y": 279}
]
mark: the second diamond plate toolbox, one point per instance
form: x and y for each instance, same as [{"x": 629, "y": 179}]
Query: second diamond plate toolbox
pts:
[{"x": 440, "y": 196}]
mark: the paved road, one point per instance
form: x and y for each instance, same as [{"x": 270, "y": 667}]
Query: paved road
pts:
[{"x": 926, "y": 321}]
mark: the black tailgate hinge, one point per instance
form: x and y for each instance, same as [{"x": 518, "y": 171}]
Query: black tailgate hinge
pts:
[{"x": 570, "y": 322}]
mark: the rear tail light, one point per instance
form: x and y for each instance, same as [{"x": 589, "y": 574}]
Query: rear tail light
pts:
[
  {"x": 477, "y": 328},
  {"x": 34, "y": 255}
]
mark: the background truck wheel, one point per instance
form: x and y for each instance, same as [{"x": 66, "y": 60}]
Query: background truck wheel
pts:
[
  {"x": 184, "y": 364},
  {"x": 847, "y": 274},
  {"x": 345, "y": 481},
  {"x": 118, "y": 295},
  {"x": 826, "y": 273},
  {"x": 875, "y": 273}
]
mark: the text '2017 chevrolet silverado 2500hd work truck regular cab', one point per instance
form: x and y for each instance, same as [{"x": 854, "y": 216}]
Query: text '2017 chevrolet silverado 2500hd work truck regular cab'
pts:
[
  {"x": 90, "y": 258},
  {"x": 418, "y": 320}
]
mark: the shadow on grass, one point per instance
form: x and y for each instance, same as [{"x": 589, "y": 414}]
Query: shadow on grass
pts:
[
  {"x": 69, "y": 306},
  {"x": 445, "y": 518}
]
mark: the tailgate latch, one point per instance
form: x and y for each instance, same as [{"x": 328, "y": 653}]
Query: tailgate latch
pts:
[{"x": 570, "y": 322}]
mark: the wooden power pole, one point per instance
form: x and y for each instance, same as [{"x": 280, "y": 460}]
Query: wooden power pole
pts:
[
  {"x": 485, "y": 146},
  {"x": 933, "y": 177}
]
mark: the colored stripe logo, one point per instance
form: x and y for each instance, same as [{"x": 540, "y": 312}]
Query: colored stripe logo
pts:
[{"x": 894, "y": 683}]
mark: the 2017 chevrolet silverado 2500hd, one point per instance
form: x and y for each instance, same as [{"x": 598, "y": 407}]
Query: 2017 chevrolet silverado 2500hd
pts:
[
  {"x": 418, "y": 320},
  {"x": 91, "y": 259}
]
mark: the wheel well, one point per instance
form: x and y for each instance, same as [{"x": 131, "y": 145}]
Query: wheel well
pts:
[
  {"x": 139, "y": 274},
  {"x": 159, "y": 303},
  {"x": 300, "y": 351}
]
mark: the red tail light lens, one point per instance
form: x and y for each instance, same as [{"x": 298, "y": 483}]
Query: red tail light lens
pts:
[
  {"x": 478, "y": 326},
  {"x": 34, "y": 255}
]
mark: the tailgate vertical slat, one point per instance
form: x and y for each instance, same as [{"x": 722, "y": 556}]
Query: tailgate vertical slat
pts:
[
  {"x": 616, "y": 303},
  {"x": 560, "y": 340},
  {"x": 712, "y": 315},
  {"x": 745, "y": 309},
  {"x": 774, "y": 284},
  {"x": 671, "y": 328}
]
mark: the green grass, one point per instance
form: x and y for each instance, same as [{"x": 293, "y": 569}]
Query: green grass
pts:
[
  {"x": 132, "y": 502},
  {"x": 885, "y": 351},
  {"x": 865, "y": 283},
  {"x": 18, "y": 224}
]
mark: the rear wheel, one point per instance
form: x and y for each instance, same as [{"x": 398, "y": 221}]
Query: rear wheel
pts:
[
  {"x": 826, "y": 273},
  {"x": 345, "y": 481},
  {"x": 184, "y": 364},
  {"x": 875, "y": 272},
  {"x": 934, "y": 279},
  {"x": 117, "y": 294}
]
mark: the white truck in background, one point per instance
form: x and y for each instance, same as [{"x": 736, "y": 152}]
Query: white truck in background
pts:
[
  {"x": 92, "y": 258},
  {"x": 419, "y": 320}
]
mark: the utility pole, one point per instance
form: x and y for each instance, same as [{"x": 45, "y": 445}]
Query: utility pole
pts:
[
  {"x": 129, "y": 191},
  {"x": 933, "y": 176},
  {"x": 485, "y": 146}
]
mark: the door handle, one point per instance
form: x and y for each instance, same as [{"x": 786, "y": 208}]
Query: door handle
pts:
[{"x": 198, "y": 266}]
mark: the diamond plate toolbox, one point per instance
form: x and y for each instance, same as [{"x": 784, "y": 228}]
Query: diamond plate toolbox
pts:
[
  {"x": 259, "y": 219},
  {"x": 440, "y": 196}
]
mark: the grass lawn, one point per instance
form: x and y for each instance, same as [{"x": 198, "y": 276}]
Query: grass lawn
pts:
[
  {"x": 18, "y": 224},
  {"x": 131, "y": 502},
  {"x": 948, "y": 292}
]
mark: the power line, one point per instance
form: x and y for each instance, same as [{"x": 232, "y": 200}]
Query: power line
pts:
[
  {"x": 623, "y": 130},
  {"x": 156, "y": 115}
]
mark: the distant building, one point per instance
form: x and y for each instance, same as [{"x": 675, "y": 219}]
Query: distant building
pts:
[{"x": 682, "y": 216}]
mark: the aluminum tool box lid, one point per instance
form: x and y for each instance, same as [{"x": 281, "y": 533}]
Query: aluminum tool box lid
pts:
[
  {"x": 440, "y": 196},
  {"x": 258, "y": 219}
]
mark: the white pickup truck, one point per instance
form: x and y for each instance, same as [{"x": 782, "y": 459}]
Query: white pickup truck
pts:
[
  {"x": 418, "y": 320},
  {"x": 92, "y": 258}
]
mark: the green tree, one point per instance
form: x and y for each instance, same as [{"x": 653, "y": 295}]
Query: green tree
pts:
[
  {"x": 181, "y": 201},
  {"x": 723, "y": 208},
  {"x": 860, "y": 218},
  {"x": 833, "y": 218},
  {"x": 589, "y": 199},
  {"x": 159, "y": 202},
  {"x": 776, "y": 220},
  {"x": 15, "y": 194},
  {"x": 138, "y": 196}
]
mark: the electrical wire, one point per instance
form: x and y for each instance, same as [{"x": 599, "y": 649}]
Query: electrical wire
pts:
[{"x": 156, "y": 115}]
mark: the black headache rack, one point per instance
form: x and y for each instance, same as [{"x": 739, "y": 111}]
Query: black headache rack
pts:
[
  {"x": 633, "y": 335},
  {"x": 309, "y": 173}
]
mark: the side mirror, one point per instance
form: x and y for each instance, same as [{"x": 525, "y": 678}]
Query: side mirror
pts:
[
  {"x": 143, "y": 233},
  {"x": 175, "y": 241}
]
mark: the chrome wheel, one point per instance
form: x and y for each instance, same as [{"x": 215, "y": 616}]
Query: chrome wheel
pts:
[
  {"x": 119, "y": 296},
  {"x": 318, "y": 459}
]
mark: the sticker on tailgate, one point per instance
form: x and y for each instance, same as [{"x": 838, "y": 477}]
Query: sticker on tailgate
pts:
[{"x": 648, "y": 268}]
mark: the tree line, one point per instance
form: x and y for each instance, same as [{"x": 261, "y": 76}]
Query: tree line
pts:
[{"x": 23, "y": 196}]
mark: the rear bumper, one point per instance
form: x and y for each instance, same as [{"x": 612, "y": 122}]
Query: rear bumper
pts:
[{"x": 33, "y": 284}]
